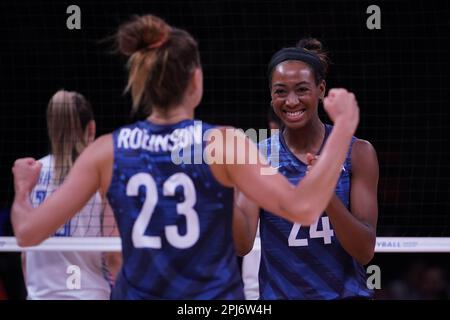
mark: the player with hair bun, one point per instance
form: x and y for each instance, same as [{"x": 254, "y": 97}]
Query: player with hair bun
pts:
[
  {"x": 324, "y": 260},
  {"x": 175, "y": 219}
]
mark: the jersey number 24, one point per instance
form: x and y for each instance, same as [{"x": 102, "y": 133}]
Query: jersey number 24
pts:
[{"x": 326, "y": 233}]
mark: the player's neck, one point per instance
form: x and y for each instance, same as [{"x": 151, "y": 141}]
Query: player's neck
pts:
[
  {"x": 171, "y": 115},
  {"x": 308, "y": 138}
]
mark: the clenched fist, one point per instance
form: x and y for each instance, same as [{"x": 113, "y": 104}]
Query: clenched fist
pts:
[
  {"x": 26, "y": 174},
  {"x": 341, "y": 106}
]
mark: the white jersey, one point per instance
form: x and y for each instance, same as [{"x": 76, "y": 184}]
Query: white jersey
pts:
[{"x": 67, "y": 275}]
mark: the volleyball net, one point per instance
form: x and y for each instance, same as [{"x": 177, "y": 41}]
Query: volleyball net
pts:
[
  {"x": 396, "y": 72},
  {"x": 113, "y": 244}
]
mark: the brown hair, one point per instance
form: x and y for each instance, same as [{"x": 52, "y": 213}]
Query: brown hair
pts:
[
  {"x": 68, "y": 115},
  {"x": 314, "y": 46},
  {"x": 161, "y": 62}
]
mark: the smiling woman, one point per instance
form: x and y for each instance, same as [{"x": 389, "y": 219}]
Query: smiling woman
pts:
[
  {"x": 297, "y": 84},
  {"x": 175, "y": 219},
  {"x": 329, "y": 255}
]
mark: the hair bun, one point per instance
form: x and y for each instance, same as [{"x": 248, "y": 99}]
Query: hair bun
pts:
[
  {"x": 142, "y": 32},
  {"x": 310, "y": 44},
  {"x": 315, "y": 46}
]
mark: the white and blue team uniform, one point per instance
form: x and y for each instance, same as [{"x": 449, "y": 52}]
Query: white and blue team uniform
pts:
[
  {"x": 175, "y": 220},
  {"x": 300, "y": 262},
  {"x": 47, "y": 272}
]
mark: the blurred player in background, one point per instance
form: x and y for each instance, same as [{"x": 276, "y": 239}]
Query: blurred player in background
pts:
[
  {"x": 324, "y": 260},
  {"x": 71, "y": 128},
  {"x": 175, "y": 218}
]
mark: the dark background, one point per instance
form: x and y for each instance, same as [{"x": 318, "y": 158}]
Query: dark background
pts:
[{"x": 400, "y": 75}]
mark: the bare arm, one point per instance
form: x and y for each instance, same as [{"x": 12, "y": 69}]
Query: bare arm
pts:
[
  {"x": 299, "y": 204},
  {"x": 110, "y": 229},
  {"x": 245, "y": 223},
  {"x": 356, "y": 230},
  {"x": 33, "y": 225},
  {"x": 302, "y": 203}
]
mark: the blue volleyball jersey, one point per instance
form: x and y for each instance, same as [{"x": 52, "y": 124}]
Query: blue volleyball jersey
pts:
[
  {"x": 174, "y": 219},
  {"x": 301, "y": 262}
]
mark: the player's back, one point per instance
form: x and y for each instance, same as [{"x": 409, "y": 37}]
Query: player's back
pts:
[{"x": 174, "y": 219}]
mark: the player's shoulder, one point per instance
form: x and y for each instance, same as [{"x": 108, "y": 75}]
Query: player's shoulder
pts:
[
  {"x": 227, "y": 134},
  {"x": 47, "y": 163},
  {"x": 102, "y": 148},
  {"x": 132, "y": 125},
  {"x": 362, "y": 147},
  {"x": 363, "y": 155},
  {"x": 207, "y": 125},
  {"x": 103, "y": 140},
  {"x": 46, "y": 159}
]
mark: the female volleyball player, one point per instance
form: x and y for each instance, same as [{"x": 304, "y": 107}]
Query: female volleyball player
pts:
[
  {"x": 71, "y": 127},
  {"x": 324, "y": 260},
  {"x": 174, "y": 216}
]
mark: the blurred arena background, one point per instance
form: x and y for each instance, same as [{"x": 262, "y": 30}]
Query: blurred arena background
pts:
[{"x": 399, "y": 73}]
